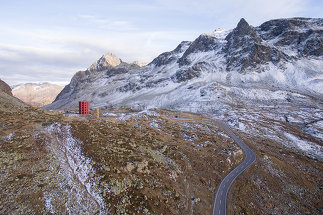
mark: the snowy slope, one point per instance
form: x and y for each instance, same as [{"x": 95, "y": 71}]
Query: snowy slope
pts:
[{"x": 278, "y": 62}]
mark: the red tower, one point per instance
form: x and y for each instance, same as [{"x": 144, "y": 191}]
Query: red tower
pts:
[{"x": 83, "y": 107}]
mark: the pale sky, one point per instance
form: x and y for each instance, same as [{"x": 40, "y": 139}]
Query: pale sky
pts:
[{"x": 50, "y": 40}]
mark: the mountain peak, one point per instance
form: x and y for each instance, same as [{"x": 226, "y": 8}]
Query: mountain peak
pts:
[
  {"x": 242, "y": 23},
  {"x": 243, "y": 27},
  {"x": 108, "y": 60}
]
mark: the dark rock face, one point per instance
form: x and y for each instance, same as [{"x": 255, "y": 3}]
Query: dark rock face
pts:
[
  {"x": 245, "y": 48},
  {"x": 4, "y": 87},
  {"x": 76, "y": 80},
  {"x": 81, "y": 77},
  {"x": 203, "y": 43},
  {"x": 116, "y": 71},
  {"x": 313, "y": 44},
  {"x": 303, "y": 34},
  {"x": 168, "y": 57},
  {"x": 128, "y": 87},
  {"x": 156, "y": 82},
  {"x": 164, "y": 59},
  {"x": 187, "y": 74},
  {"x": 274, "y": 28},
  {"x": 244, "y": 29}
]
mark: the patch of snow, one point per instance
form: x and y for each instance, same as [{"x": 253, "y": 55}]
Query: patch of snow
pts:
[
  {"x": 149, "y": 112},
  {"x": 124, "y": 117},
  {"x": 310, "y": 148},
  {"x": 109, "y": 114},
  {"x": 72, "y": 114},
  {"x": 9, "y": 136},
  {"x": 220, "y": 33},
  {"x": 319, "y": 124},
  {"x": 48, "y": 205},
  {"x": 77, "y": 163},
  {"x": 154, "y": 125},
  {"x": 315, "y": 129},
  {"x": 241, "y": 126}
]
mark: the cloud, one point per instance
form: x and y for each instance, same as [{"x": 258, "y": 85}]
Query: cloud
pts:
[
  {"x": 229, "y": 12},
  {"x": 27, "y": 64},
  {"x": 52, "y": 49},
  {"x": 56, "y": 56},
  {"x": 16, "y": 73},
  {"x": 31, "y": 55},
  {"x": 108, "y": 24}
]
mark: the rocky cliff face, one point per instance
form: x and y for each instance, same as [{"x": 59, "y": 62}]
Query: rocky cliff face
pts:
[
  {"x": 4, "y": 87},
  {"x": 301, "y": 35},
  {"x": 8, "y": 103},
  {"x": 282, "y": 54},
  {"x": 106, "y": 67},
  {"x": 245, "y": 48},
  {"x": 37, "y": 95}
]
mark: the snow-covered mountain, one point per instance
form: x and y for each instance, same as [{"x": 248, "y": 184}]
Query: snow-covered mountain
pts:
[
  {"x": 36, "y": 94},
  {"x": 278, "y": 62}
]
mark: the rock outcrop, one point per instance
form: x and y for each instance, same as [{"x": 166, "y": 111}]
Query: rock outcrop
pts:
[
  {"x": 107, "y": 61},
  {"x": 4, "y": 87},
  {"x": 246, "y": 49},
  {"x": 303, "y": 35}
]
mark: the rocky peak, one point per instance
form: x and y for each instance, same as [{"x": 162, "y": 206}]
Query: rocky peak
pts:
[
  {"x": 182, "y": 46},
  {"x": 107, "y": 61},
  {"x": 243, "y": 28},
  {"x": 241, "y": 34},
  {"x": 168, "y": 57},
  {"x": 203, "y": 43},
  {"x": 245, "y": 48}
]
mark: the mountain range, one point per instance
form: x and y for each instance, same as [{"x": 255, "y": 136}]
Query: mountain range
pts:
[
  {"x": 265, "y": 82},
  {"x": 35, "y": 94},
  {"x": 278, "y": 62}
]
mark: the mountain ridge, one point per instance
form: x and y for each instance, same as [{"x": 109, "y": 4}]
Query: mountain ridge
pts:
[
  {"x": 36, "y": 94},
  {"x": 281, "y": 54}
]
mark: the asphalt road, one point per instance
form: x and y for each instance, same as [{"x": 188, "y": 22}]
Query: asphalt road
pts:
[{"x": 221, "y": 195}]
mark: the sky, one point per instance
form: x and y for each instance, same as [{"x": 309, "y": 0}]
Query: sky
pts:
[{"x": 49, "y": 41}]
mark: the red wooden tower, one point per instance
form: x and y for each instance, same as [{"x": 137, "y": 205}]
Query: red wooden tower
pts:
[{"x": 83, "y": 107}]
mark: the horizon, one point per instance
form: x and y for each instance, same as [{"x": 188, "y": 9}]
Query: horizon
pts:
[{"x": 51, "y": 41}]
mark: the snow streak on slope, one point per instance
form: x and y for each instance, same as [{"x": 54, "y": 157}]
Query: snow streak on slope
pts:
[
  {"x": 296, "y": 128},
  {"x": 77, "y": 172}
]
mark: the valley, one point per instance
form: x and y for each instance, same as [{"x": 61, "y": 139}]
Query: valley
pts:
[
  {"x": 129, "y": 163},
  {"x": 171, "y": 131},
  {"x": 150, "y": 162}
]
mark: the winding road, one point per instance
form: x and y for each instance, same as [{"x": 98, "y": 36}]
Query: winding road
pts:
[{"x": 221, "y": 195}]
